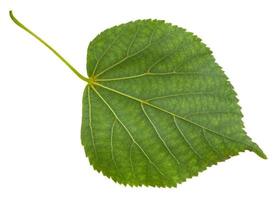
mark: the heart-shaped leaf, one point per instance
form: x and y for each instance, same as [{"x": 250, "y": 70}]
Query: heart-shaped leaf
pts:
[{"x": 158, "y": 109}]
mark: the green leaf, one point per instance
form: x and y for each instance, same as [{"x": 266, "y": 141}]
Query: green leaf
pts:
[{"x": 158, "y": 109}]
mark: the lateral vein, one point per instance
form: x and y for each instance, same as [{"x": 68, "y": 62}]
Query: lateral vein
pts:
[
  {"x": 129, "y": 133},
  {"x": 158, "y": 134},
  {"x": 90, "y": 121},
  {"x": 173, "y": 114}
]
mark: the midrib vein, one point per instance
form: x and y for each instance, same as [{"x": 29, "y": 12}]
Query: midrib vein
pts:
[
  {"x": 172, "y": 73},
  {"x": 170, "y": 113}
]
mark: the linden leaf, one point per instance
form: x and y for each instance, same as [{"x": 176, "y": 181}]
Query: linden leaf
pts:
[{"x": 157, "y": 108}]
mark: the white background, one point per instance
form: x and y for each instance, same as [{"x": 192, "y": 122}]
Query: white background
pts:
[{"x": 41, "y": 156}]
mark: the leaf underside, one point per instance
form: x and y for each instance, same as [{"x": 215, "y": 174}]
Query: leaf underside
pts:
[{"x": 159, "y": 109}]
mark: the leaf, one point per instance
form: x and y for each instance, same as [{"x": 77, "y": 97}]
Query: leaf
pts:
[{"x": 158, "y": 109}]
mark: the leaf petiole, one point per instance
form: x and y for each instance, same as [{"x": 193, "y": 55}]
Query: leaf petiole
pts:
[{"x": 47, "y": 45}]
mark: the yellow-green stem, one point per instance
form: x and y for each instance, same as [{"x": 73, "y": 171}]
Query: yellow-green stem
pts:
[{"x": 47, "y": 45}]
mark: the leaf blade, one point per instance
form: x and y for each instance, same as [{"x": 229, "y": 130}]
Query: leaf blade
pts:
[{"x": 163, "y": 108}]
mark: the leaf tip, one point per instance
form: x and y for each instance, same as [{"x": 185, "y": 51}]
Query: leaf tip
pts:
[
  {"x": 257, "y": 150},
  {"x": 261, "y": 154}
]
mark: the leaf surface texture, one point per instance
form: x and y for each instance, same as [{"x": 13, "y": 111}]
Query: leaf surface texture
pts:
[{"x": 159, "y": 109}]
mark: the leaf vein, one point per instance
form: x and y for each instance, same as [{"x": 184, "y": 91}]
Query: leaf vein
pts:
[
  {"x": 134, "y": 54},
  {"x": 209, "y": 112},
  {"x": 173, "y": 114},
  {"x": 129, "y": 133},
  {"x": 112, "y": 147},
  {"x": 106, "y": 50},
  {"x": 155, "y": 74},
  {"x": 131, "y": 160},
  {"x": 186, "y": 140},
  {"x": 158, "y": 134},
  {"x": 133, "y": 41},
  {"x": 90, "y": 122},
  {"x": 210, "y": 144},
  {"x": 183, "y": 94}
]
